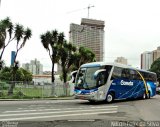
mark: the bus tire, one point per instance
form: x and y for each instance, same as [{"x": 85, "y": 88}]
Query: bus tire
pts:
[
  {"x": 92, "y": 101},
  {"x": 148, "y": 95},
  {"x": 144, "y": 96},
  {"x": 109, "y": 97}
]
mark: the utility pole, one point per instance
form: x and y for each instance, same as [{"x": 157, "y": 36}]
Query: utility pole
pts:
[{"x": 88, "y": 9}]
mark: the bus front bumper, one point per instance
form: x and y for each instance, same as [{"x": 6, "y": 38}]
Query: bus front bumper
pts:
[{"x": 85, "y": 97}]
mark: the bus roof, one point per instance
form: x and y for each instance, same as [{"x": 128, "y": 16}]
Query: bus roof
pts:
[{"x": 97, "y": 64}]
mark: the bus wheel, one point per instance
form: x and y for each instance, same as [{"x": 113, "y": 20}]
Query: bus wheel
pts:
[
  {"x": 148, "y": 95},
  {"x": 144, "y": 96},
  {"x": 92, "y": 101},
  {"x": 109, "y": 97}
]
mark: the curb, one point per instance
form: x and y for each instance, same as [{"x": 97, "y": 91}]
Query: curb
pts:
[{"x": 36, "y": 99}]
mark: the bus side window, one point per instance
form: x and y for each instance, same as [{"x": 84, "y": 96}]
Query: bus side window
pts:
[
  {"x": 133, "y": 75},
  {"x": 125, "y": 73},
  {"x": 116, "y": 73}
]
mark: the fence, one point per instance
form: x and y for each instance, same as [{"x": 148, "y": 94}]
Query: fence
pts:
[{"x": 37, "y": 91}]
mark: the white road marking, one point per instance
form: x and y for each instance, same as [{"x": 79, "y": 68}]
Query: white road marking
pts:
[
  {"x": 74, "y": 111},
  {"x": 64, "y": 115},
  {"x": 53, "y": 112},
  {"x": 81, "y": 120},
  {"x": 34, "y": 110}
]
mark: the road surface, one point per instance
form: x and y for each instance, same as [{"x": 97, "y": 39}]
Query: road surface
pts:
[{"x": 81, "y": 113}]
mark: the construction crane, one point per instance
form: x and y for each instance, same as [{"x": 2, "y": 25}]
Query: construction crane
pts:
[
  {"x": 89, "y": 6},
  {"x": 88, "y": 9}
]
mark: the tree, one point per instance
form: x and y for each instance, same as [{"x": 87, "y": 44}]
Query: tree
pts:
[
  {"x": 155, "y": 67},
  {"x": 67, "y": 58},
  {"x": 2, "y": 64},
  {"x": 22, "y": 74},
  {"x": 6, "y": 30},
  {"x": 6, "y": 74},
  {"x": 51, "y": 41},
  {"x": 84, "y": 55},
  {"x": 21, "y": 36}
]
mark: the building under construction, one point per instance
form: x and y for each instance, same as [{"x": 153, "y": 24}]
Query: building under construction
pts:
[{"x": 90, "y": 33}]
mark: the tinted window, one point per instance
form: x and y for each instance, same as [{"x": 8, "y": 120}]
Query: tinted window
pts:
[
  {"x": 116, "y": 73},
  {"x": 149, "y": 76}
]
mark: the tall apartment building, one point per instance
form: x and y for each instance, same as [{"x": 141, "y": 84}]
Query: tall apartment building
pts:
[
  {"x": 148, "y": 57},
  {"x": 156, "y": 53},
  {"x": 146, "y": 60},
  {"x": 89, "y": 34},
  {"x": 35, "y": 67},
  {"x": 121, "y": 60}
]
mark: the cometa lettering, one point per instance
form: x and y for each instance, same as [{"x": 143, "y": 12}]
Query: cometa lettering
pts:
[{"x": 126, "y": 83}]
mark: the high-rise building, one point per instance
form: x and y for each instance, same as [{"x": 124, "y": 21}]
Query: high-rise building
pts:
[
  {"x": 34, "y": 67},
  {"x": 13, "y": 53},
  {"x": 146, "y": 60},
  {"x": 156, "y": 53},
  {"x": 89, "y": 34},
  {"x": 121, "y": 60}
]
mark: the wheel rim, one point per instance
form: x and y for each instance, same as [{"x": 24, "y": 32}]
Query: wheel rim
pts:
[
  {"x": 144, "y": 96},
  {"x": 109, "y": 98}
]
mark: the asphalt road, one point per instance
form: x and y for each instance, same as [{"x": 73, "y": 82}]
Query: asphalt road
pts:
[{"x": 79, "y": 113}]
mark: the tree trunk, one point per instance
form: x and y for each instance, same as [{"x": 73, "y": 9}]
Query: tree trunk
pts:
[
  {"x": 2, "y": 53},
  {"x": 12, "y": 85},
  {"x": 64, "y": 79},
  {"x": 53, "y": 83}
]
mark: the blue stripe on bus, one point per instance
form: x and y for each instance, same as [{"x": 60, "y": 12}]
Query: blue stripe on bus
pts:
[{"x": 129, "y": 90}]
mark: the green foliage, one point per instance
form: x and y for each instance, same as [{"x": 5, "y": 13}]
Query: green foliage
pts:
[
  {"x": 6, "y": 74},
  {"x": 5, "y": 27},
  {"x": 10, "y": 32},
  {"x": 51, "y": 41},
  {"x": 4, "y": 86},
  {"x": 155, "y": 67},
  {"x": 67, "y": 54},
  {"x": 21, "y": 74},
  {"x": 84, "y": 55},
  {"x": 70, "y": 59}
]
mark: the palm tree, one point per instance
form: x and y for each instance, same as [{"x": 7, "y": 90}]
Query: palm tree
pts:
[
  {"x": 2, "y": 64},
  {"x": 51, "y": 40},
  {"x": 6, "y": 28},
  {"x": 21, "y": 34}
]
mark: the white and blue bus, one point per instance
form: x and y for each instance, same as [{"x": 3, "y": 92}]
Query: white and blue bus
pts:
[{"x": 99, "y": 81}]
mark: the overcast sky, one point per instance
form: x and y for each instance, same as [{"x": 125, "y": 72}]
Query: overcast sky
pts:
[{"x": 131, "y": 26}]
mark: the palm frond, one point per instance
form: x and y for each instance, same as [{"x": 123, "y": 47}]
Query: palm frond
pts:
[{"x": 19, "y": 30}]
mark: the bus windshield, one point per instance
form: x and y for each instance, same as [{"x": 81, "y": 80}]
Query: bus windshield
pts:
[{"x": 86, "y": 80}]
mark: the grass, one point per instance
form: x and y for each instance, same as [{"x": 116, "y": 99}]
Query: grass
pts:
[
  {"x": 30, "y": 92},
  {"x": 20, "y": 93}
]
